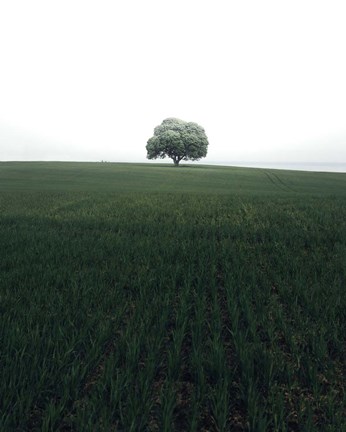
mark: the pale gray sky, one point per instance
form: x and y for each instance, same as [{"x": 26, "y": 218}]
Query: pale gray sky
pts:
[{"x": 89, "y": 80}]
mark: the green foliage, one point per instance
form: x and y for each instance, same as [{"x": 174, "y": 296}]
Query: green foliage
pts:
[
  {"x": 178, "y": 140},
  {"x": 127, "y": 304}
]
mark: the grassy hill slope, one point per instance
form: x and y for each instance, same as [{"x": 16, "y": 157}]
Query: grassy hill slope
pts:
[{"x": 99, "y": 177}]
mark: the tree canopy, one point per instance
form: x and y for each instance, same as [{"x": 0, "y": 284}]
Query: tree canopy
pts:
[{"x": 179, "y": 140}]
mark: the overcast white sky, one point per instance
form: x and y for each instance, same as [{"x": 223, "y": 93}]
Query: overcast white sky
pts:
[{"x": 89, "y": 80}]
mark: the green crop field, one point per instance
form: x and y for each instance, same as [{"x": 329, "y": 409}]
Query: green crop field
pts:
[{"x": 144, "y": 297}]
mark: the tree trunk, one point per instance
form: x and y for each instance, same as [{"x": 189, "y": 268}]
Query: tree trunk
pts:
[{"x": 176, "y": 161}]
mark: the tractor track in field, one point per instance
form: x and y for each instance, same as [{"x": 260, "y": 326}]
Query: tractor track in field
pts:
[
  {"x": 186, "y": 385},
  {"x": 154, "y": 422},
  {"x": 95, "y": 373},
  {"x": 237, "y": 414},
  {"x": 278, "y": 182}
]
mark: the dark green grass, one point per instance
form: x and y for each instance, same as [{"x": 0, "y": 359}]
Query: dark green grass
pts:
[
  {"x": 108, "y": 177},
  {"x": 146, "y": 297}
]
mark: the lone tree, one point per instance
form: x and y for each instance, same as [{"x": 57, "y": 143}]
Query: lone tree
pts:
[{"x": 179, "y": 140}]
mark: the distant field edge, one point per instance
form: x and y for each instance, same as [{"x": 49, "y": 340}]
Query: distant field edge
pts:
[
  {"x": 332, "y": 168},
  {"x": 139, "y": 177}
]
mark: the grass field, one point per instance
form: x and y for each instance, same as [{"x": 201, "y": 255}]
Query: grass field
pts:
[{"x": 143, "y": 297}]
